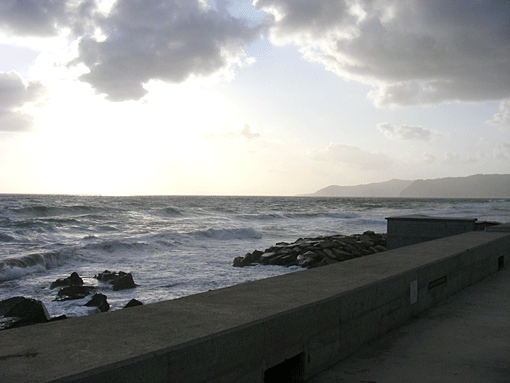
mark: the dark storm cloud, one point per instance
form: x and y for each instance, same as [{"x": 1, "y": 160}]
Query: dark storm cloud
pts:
[
  {"x": 14, "y": 93},
  {"x": 415, "y": 52},
  {"x": 160, "y": 40}
]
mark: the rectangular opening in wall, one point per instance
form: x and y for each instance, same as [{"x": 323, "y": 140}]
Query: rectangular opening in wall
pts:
[
  {"x": 289, "y": 371},
  {"x": 437, "y": 282},
  {"x": 501, "y": 262}
]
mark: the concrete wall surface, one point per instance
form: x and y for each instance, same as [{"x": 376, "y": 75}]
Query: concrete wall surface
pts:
[
  {"x": 294, "y": 325},
  {"x": 411, "y": 229}
]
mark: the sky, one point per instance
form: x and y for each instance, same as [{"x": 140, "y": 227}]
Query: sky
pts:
[{"x": 263, "y": 97}]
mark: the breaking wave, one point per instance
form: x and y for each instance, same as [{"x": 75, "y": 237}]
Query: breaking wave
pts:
[{"x": 13, "y": 268}]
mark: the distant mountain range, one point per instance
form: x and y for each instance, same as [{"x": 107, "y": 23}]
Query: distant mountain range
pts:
[{"x": 476, "y": 186}]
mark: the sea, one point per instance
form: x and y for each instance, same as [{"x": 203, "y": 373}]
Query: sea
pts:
[{"x": 179, "y": 245}]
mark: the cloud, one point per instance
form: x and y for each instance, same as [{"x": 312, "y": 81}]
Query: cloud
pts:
[
  {"x": 245, "y": 132},
  {"x": 502, "y": 152},
  {"x": 501, "y": 119},
  {"x": 43, "y": 18},
  {"x": 15, "y": 92},
  {"x": 353, "y": 156},
  {"x": 405, "y": 132},
  {"x": 170, "y": 41},
  {"x": 454, "y": 159},
  {"x": 413, "y": 52},
  {"x": 428, "y": 158}
]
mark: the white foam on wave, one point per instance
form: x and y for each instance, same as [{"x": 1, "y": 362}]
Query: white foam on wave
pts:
[
  {"x": 13, "y": 268},
  {"x": 8, "y": 273}
]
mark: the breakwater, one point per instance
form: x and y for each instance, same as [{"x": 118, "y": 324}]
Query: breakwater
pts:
[
  {"x": 299, "y": 323},
  {"x": 317, "y": 251}
]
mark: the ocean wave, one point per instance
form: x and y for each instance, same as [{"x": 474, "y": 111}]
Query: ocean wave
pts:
[
  {"x": 226, "y": 234},
  {"x": 262, "y": 217},
  {"x": 170, "y": 211},
  {"x": 111, "y": 246},
  {"x": 342, "y": 215},
  {"x": 6, "y": 238},
  {"x": 51, "y": 211},
  {"x": 13, "y": 268}
]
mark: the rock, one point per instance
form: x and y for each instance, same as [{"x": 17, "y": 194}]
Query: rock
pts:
[
  {"x": 60, "y": 317},
  {"x": 99, "y": 301},
  {"x": 73, "y": 280},
  {"x": 133, "y": 303},
  {"x": 120, "y": 280},
  {"x": 266, "y": 257},
  {"x": 124, "y": 282},
  {"x": 238, "y": 262},
  {"x": 329, "y": 253},
  {"x": 74, "y": 292},
  {"x": 315, "y": 252},
  {"x": 21, "y": 311},
  {"x": 105, "y": 276}
]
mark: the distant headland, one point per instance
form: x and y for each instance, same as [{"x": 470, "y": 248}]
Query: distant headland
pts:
[{"x": 475, "y": 186}]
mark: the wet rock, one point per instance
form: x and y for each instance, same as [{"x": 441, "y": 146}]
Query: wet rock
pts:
[
  {"x": 60, "y": 317},
  {"x": 74, "y": 292},
  {"x": 120, "y": 280},
  {"x": 133, "y": 303},
  {"x": 21, "y": 311},
  {"x": 73, "y": 280},
  {"x": 99, "y": 301},
  {"x": 124, "y": 282},
  {"x": 315, "y": 252}
]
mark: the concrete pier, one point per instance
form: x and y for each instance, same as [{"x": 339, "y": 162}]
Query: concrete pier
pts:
[{"x": 298, "y": 324}]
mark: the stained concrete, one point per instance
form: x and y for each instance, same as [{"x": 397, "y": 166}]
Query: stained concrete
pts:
[{"x": 465, "y": 339}]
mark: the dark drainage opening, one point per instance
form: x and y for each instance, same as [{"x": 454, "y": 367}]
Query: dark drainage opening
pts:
[
  {"x": 437, "y": 282},
  {"x": 290, "y": 371},
  {"x": 501, "y": 263}
]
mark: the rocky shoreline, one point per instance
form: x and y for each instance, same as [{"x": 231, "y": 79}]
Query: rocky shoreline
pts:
[
  {"x": 21, "y": 311},
  {"x": 305, "y": 253},
  {"x": 316, "y": 252}
]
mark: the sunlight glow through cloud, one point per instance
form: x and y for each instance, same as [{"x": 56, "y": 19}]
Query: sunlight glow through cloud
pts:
[{"x": 270, "y": 97}]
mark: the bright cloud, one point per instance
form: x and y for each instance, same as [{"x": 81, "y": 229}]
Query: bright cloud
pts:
[
  {"x": 453, "y": 158},
  {"x": 501, "y": 119},
  {"x": 353, "y": 156},
  {"x": 245, "y": 132},
  {"x": 414, "y": 52},
  {"x": 405, "y": 132}
]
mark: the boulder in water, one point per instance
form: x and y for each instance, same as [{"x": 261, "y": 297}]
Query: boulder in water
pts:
[
  {"x": 99, "y": 301},
  {"x": 119, "y": 281},
  {"x": 73, "y": 280},
  {"x": 74, "y": 292},
  {"x": 133, "y": 303},
  {"x": 21, "y": 311}
]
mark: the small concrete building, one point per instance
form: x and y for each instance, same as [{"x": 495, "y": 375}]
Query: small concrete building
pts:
[{"x": 411, "y": 229}]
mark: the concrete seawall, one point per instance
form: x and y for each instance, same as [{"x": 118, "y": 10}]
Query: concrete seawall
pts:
[{"x": 295, "y": 325}]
